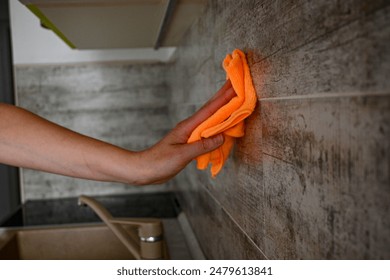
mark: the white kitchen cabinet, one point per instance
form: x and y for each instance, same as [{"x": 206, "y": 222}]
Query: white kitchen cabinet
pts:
[{"x": 104, "y": 24}]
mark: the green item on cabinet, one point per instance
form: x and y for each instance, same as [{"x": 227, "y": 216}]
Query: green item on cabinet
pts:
[{"x": 47, "y": 23}]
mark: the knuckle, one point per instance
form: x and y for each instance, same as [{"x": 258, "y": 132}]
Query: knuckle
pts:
[
  {"x": 207, "y": 144},
  {"x": 204, "y": 144}
]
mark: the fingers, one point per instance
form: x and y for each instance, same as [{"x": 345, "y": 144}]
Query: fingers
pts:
[
  {"x": 226, "y": 86},
  {"x": 193, "y": 150},
  {"x": 221, "y": 98}
]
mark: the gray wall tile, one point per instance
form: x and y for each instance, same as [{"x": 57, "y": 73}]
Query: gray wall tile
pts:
[
  {"x": 126, "y": 105},
  {"x": 310, "y": 179}
]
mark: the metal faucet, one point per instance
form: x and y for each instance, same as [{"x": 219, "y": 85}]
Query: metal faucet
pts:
[{"x": 149, "y": 244}]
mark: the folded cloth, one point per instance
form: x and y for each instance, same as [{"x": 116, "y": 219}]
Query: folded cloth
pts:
[{"x": 229, "y": 119}]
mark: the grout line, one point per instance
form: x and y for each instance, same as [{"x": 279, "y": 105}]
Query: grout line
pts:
[
  {"x": 307, "y": 96},
  {"x": 190, "y": 237},
  {"x": 234, "y": 221},
  {"x": 328, "y": 95}
]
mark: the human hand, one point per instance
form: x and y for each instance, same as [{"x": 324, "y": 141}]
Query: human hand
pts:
[
  {"x": 170, "y": 155},
  {"x": 29, "y": 141}
]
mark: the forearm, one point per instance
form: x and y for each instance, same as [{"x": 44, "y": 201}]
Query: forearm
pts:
[{"x": 29, "y": 141}]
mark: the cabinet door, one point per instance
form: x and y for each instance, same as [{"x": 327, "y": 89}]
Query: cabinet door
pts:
[{"x": 106, "y": 24}]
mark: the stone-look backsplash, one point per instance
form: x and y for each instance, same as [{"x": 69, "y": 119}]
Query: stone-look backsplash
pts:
[
  {"x": 126, "y": 105},
  {"x": 310, "y": 179}
]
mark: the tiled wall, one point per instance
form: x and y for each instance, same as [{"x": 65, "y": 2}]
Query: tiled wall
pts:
[
  {"x": 126, "y": 105},
  {"x": 310, "y": 179}
]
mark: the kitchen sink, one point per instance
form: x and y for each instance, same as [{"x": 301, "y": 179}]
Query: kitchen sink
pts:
[
  {"x": 117, "y": 238},
  {"x": 72, "y": 242},
  {"x": 130, "y": 236}
]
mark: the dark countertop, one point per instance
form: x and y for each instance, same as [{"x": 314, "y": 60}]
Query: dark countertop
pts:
[{"x": 67, "y": 211}]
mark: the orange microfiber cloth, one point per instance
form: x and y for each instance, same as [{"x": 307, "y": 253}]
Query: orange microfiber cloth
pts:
[{"x": 229, "y": 119}]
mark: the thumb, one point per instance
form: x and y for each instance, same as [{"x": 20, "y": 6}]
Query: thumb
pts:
[{"x": 203, "y": 146}]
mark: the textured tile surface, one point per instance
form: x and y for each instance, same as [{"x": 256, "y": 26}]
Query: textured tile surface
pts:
[
  {"x": 310, "y": 179},
  {"x": 326, "y": 177}
]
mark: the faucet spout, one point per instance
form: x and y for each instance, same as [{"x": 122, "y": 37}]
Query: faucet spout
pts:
[{"x": 149, "y": 231}]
